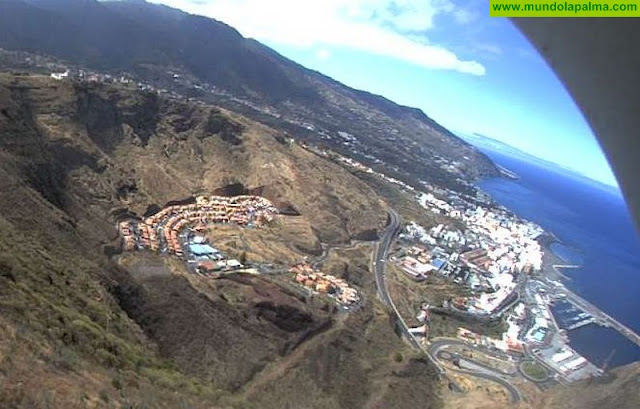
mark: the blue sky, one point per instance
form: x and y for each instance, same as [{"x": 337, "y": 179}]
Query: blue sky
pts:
[{"x": 470, "y": 72}]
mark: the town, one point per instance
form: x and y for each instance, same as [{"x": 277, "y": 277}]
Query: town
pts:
[
  {"x": 498, "y": 258},
  {"x": 163, "y": 231},
  {"x": 484, "y": 248},
  {"x": 178, "y": 230}
]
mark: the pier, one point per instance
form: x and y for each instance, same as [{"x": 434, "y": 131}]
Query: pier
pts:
[
  {"x": 506, "y": 172},
  {"x": 599, "y": 317},
  {"x": 557, "y": 267},
  {"x": 581, "y": 323}
]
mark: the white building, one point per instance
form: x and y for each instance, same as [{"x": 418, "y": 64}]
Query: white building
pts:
[{"x": 60, "y": 75}]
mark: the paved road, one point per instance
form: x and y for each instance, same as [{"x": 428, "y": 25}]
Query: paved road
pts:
[
  {"x": 476, "y": 365},
  {"x": 439, "y": 343},
  {"x": 326, "y": 251},
  {"x": 380, "y": 256},
  {"x": 379, "y": 263},
  {"x": 436, "y": 346},
  {"x": 513, "y": 391}
]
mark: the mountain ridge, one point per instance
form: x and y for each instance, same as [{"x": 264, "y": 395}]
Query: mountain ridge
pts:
[
  {"x": 156, "y": 43},
  {"x": 138, "y": 329}
]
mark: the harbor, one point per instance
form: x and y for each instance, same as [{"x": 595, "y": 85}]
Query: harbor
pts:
[
  {"x": 597, "y": 240},
  {"x": 587, "y": 313}
]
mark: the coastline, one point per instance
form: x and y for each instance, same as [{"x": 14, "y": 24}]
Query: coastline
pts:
[
  {"x": 557, "y": 267},
  {"x": 596, "y": 341},
  {"x": 551, "y": 271},
  {"x": 551, "y": 262},
  {"x": 507, "y": 173}
]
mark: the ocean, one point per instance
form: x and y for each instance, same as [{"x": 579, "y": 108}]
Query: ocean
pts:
[{"x": 597, "y": 232}]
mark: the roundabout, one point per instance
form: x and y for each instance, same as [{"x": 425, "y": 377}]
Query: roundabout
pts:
[{"x": 533, "y": 371}]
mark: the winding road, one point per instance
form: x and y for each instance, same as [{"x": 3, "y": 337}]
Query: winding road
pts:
[
  {"x": 380, "y": 253},
  {"x": 379, "y": 263},
  {"x": 437, "y": 345}
]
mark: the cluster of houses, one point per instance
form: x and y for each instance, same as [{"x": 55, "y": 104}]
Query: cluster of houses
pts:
[
  {"x": 161, "y": 231},
  {"x": 207, "y": 260},
  {"x": 486, "y": 248},
  {"x": 491, "y": 291},
  {"x": 417, "y": 262},
  {"x": 506, "y": 344},
  {"x": 542, "y": 322},
  {"x": 323, "y": 283},
  {"x": 510, "y": 242},
  {"x": 483, "y": 248}
]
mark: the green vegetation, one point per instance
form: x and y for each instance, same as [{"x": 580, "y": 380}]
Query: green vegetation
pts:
[{"x": 534, "y": 370}]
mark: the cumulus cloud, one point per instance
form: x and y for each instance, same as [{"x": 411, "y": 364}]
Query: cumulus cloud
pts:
[{"x": 379, "y": 27}]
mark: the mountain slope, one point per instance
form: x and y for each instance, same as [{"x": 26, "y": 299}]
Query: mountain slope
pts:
[
  {"x": 136, "y": 330},
  {"x": 617, "y": 389},
  {"x": 155, "y": 42}
]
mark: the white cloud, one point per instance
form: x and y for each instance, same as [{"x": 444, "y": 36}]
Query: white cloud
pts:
[
  {"x": 373, "y": 26},
  {"x": 464, "y": 16},
  {"x": 490, "y": 48},
  {"x": 323, "y": 54}
]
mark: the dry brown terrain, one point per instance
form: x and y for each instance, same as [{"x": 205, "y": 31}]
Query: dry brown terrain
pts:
[
  {"x": 287, "y": 240},
  {"x": 73, "y": 157},
  {"x": 618, "y": 389},
  {"x": 81, "y": 330}
]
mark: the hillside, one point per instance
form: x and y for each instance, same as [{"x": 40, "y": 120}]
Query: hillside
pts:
[
  {"x": 85, "y": 327},
  {"x": 208, "y": 59},
  {"x": 618, "y": 389}
]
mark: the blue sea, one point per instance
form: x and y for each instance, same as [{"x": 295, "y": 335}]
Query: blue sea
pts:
[{"x": 596, "y": 231}]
